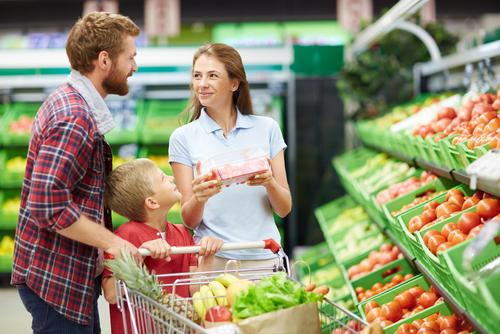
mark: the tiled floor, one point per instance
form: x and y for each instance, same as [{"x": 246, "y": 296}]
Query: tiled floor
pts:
[{"x": 14, "y": 318}]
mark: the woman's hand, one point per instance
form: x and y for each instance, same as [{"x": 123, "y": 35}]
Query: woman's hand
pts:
[
  {"x": 263, "y": 179},
  {"x": 159, "y": 248},
  {"x": 209, "y": 246},
  {"x": 204, "y": 186}
]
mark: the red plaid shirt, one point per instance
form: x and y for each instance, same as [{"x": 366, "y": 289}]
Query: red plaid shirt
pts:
[{"x": 66, "y": 166}]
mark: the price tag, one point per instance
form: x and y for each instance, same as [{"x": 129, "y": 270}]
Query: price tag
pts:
[{"x": 485, "y": 168}]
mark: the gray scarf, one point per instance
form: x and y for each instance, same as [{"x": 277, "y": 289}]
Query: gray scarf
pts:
[{"x": 84, "y": 86}]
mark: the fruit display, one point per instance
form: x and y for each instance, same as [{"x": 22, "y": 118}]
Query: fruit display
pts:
[
  {"x": 6, "y": 246},
  {"x": 401, "y": 188},
  {"x": 404, "y": 305},
  {"x": 22, "y": 125},
  {"x": 348, "y": 250},
  {"x": 418, "y": 200},
  {"x": 376, "y": 259},
  {"x": 434, "y": 211},
  {"x": 379, "y": 287},
  {"x": 385, "y": 175},
  {"x": 349, "y": 218},
  {"x": 469, "y": 225},
  {"x": 436, "y": 323}
]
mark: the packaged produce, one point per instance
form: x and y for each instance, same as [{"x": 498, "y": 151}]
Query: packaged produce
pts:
[{"x": 236, "y": 166}]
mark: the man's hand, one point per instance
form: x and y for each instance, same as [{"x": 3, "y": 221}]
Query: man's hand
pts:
[{"x": 121, "y": 245}]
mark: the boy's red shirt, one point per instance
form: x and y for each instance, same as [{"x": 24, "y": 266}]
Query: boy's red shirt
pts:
[{"x": 138, "y": 233}]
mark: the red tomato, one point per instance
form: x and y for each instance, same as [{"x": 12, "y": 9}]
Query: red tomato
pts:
[
  {"x": 450, "y": 321},
  {"x": 406, "y": 329},
  {"x": 434, "y": 242},
  {"x": 415, "y": 224},
  {"x": 370, "y": 306},
  {"x": 468, "y": 221},
  {"x": 446, "y": 112},
  {"x": 408, "y": 276},
  {"x": 372, "y": 314},
  {"x": 396, "y": 279},
  {"x": 448, "y": 331},
  {"x": 431, "y": 206},
  {"x": 470, "y": 201},
  {"x": 406, "y": 299},
  {"x": 416, "y": 291},
  {"x": 488, "y": 208},
  {"x": 456, "y": 237},
  {"x": 448, "y": 228},
  {"x": 444, "y": 246},
  {"x": 457, "y": 200},
  {"x": 428, "y": 215},
  {"x": 386, "y": 323},
  {"x": 429, "y": 234},
  {"x": 391, "y": 311},
  {"x": 430, "y": 324},
  {"x": 446, "y": 209},
  {"x": 475, "y": 231},
  {"x": 427, "y": 299},
  {"x": 453, "y": 192}
]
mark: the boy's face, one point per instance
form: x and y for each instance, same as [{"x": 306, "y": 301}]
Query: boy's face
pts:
[{"x": 166, "y": 192}]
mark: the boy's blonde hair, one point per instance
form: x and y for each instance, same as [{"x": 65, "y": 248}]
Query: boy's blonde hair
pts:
[
  {"x": 96, "y": 32},
  {"x": 127, "y": 186}
]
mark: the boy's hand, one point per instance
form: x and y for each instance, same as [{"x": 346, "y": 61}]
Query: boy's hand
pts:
[
  {"x": 159, "y": 248},
  {"x": 204, "y": 186},
  {"x": 209, "y": 246}
]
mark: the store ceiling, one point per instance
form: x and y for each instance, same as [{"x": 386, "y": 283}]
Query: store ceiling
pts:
[{"x": 36, "y": 14}]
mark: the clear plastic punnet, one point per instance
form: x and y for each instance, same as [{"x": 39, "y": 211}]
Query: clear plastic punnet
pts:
[{"x": 236, "y": 166}]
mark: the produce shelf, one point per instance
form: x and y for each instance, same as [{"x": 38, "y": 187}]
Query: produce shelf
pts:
[
  {"x": 446, "y": 172},
  {"x": 449, "y": 298}
]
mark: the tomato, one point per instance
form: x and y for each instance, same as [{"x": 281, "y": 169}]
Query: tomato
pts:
[
  {"x": 430, "y": 324},
  {"x": 444, "y": 246},
  {"x": 468, "y": 221},
  {"x": 424, "y": 330},
  {"x": 431, "y": 206},
  {"x": 406, "y": 329},
  {"x": 470, "y": 201},
  {"x": 372, "y": 314},
  {"x": 453, "y": 192},
  {"x": 446, "y": 209},
  {"x": 391, "y": 311},
  {"x": 434, "y": 242},
  {"x": 456, "y": 237},
  {"x": 446, "y": 112},
  {"x": 488, "y": 208},
  {"x": 370, "y": 306},
  {"x": 427, "y": 299},
  {"x": 406, "y": 299},
  {"x": 398, "y": 278},
  {"x": 408, "y": 276},
  {"x": 457, "y": 200},
  {"x": 448, "y": 331},
  {"x": 429, "y": 234},
  {"x": 360, "y": 289},
  {"x": 416, "y": 291},
  {"x": 428, "y": 215},
  {"x": 385, "y": 247},
  {"x": 450, "y": 321},
  {"x": 415, "y": 224},
  {"x": 386, "y": 323},
  {"x": 448, "y": 228}
]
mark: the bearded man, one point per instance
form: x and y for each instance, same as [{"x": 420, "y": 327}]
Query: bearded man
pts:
[{"x": 64, "y": 227}]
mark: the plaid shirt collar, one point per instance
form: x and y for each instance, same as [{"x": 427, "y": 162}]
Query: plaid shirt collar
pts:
[{"x": 100, "y": 110}]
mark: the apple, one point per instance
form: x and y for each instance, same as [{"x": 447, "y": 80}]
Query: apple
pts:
[{"x": 218, "y": 313}]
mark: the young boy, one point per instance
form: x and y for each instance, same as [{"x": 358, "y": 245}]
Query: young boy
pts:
[{"x": 140, "y": 191}]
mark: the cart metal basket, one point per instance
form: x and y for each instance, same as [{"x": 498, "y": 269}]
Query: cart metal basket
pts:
[{"x": 177, "y": 315}]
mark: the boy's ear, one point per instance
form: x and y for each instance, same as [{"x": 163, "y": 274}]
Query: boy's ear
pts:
[{"x": 151, "y": 203}]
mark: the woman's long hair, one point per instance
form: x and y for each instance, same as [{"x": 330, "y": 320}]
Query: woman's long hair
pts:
[{"x": 234, "y": 67}]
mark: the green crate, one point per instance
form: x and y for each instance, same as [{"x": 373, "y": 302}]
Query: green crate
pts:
[
  {"x": 389, "y": 295},
  {"x": 12, "y": 164},
  {"x": 327, "y": 213},
  {"x": 315, "y": 257},
  {"x": 382, "y": 275},
  {"x": 442, "y": 308},
  {"x": 161, "y": 119},
  {"x": 10, "y": 214},
  {"x": 437, "y": 185},
  {"x": 159, "y": 154},
  {"x": 405, "y": 217},
  {"x": 481, "y": 297},
  {"x": 451, "y": 153},
  {"x": 436, "y": 265},
  {"x": 378, "y": 240},
  {"x": 14, "y": 113},
  {"x": 127, "y": 133}
]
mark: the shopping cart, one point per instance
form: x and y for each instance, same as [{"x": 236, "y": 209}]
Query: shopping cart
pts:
[{"x": 177, "y": 314}]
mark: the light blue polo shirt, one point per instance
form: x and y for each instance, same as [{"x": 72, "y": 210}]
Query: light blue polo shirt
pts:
[{"x": 238, "y": 213}]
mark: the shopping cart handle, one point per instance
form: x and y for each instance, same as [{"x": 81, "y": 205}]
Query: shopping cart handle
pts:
[{"x": 270, "y": 244}]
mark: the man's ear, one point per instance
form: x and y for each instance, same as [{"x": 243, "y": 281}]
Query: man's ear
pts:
[
  {"x": 104, "y": 61},
  {"x": 151, "y": 203}
]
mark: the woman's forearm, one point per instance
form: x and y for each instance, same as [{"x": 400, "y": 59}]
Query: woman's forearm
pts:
[
  {"x": 192, "y": 212},
  {"x": 280, "y": 198}
]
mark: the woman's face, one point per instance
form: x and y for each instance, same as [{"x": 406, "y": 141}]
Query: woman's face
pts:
[{"x": 211, "y": 83}]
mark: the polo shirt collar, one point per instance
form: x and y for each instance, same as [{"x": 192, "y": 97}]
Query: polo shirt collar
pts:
[{"x": 242, "y": 121}]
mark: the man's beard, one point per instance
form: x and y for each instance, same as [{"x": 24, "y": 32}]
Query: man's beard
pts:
[{"x": 115, "y": 83}]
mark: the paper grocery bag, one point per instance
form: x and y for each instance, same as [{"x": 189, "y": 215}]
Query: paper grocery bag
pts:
[{"x": 294, "y": 320}]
